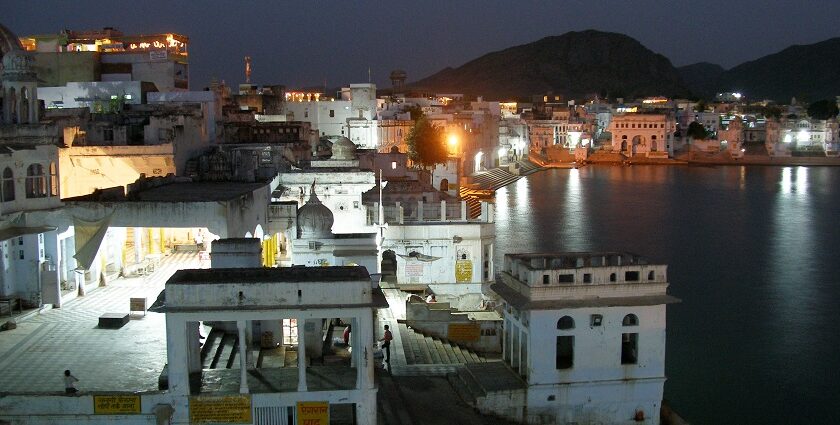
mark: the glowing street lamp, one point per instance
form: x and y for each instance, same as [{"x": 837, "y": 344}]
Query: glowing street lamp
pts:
[{"x": 452, "y": 141}]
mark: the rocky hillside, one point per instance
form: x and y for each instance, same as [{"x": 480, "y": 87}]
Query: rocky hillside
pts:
[
  {"x": 809, "y": 73},
  {"x": 573, "y": 64}
]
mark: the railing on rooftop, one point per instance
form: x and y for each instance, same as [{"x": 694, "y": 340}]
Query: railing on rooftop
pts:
[{"x": 421, "y": 212}]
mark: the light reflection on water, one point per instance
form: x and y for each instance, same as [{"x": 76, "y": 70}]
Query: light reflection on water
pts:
[{"x": 752, "y": 253}]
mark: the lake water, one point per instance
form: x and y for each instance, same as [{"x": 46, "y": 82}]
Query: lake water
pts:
[{"x": 753, "y": 252}]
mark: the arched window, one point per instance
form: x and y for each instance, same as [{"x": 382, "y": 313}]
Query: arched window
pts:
[
  {"x": 8, "y": 186},
  {"x": 444, "y": 185},
  {"x": 612, "y": 277},
  {"x": 566, "y": 322},
  {"x": 630, "y": 320},
  {"x": 36, "y": 186},
  {"x": 53, "y": 179},
  {"x": 650, "y": 275}
]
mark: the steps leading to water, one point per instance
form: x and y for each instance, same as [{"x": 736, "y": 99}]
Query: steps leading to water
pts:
[{"x": 420, "y": 349}]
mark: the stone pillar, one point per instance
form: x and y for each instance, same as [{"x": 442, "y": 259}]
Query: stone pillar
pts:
[
  {"x": 301, "y": 325},
  {"x": 33, "y": 105},
  {"x": 463, "y": 210},
  {"x": 193, "y": 347},
  {"x": 442, "y": 210},
  {"x": 366, "y": 408},
  {"x": 364, "y": 346},
  {"x": 355, "y": 342},
  {"x": 7, "y": 103},
  {"x": 242, "y": 326},
  {"x": 138, "y": 244},
  {"x": 249, "y": 342},
  {"x": 176, "y": 355},
  {"x": 519, "y": 351}
]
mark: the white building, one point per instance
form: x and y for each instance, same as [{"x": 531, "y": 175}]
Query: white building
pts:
[
  {"x": 309, "y": 295},
  {"x": 650, "y": 135},
  {"x": 354, "y": 116},
  {"x": 96, "y": 95},
  {"x": 586, "y": 331}
]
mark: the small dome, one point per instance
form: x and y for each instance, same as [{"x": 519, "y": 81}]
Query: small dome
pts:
[
  {"x": 314, "y": 219},
  {"x": 343, "y": 149}
]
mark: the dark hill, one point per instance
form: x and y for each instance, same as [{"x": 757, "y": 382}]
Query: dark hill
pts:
[
  {"x": 702, "y": 78},
  {"x": 809, "y": 73},
  {"x": 574, "y": 64}
]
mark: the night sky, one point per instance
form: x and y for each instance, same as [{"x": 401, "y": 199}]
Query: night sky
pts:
[{"x": 309, "y": 42}]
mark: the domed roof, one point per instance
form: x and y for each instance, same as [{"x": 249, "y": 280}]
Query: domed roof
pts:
[
  {"x": 8, "y": 41},
  {"x": 343, "y": 149},
  {"x": 314, "y": 219}
]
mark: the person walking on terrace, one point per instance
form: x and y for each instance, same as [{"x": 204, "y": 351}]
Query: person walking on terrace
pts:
[{"x": 386, "y": 344}]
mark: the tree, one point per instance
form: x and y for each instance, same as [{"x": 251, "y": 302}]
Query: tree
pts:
[
  {"x": 415, "y": 110},
  {"x": 697, "y": 131},
  {"x": 773, "y": 112},
  {"x": 426, "y": 143},
  {"x": 823, "y": 109},
  {"x": 700, "y": 106}
]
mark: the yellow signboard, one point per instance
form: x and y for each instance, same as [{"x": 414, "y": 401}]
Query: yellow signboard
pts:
[
  {"x": 464, "y": 332},
  {"x": 463, "y": 271},
  {"x": 116, "y": 404},
  {"x": 235, "y": 409},
  {"x": 313, "y": 413}
]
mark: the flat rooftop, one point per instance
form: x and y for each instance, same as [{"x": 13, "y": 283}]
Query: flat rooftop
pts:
[
  {"x": 198, "y": 191},
  {"x": 266, "y": 275},
  {"x": 571, "y": 260}
]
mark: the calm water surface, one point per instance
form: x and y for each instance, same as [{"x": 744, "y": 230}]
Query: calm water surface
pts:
[{"x": 753, "y": 252}]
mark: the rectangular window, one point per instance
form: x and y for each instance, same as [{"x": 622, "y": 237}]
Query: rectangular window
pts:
[
  {"x": 565, "y": 351},
  {"x": 629, "y": 348},
  {"x": 108, "y": 134},
  {"x": 566, "y": 278},
  {"x": 545, "y": 279},
  {"x": 332, "y": 113},
  {"x": 587, "y": 278},
  {"x": 290, "y": 336},
  {"x": 631, "y": 276}
]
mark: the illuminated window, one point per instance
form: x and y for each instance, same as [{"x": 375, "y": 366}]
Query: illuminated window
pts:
[
  {"x": 393, "y": 165},
  {"x": 53, "y": 179},
  {"x": 290, "y": 335}
]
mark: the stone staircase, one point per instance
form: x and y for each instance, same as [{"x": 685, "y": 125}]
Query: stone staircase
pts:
[
  {"x": 421, "y": 350},
  {"x": 492, "y": 388}
]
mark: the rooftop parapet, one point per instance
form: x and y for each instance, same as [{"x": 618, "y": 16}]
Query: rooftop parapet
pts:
[
  {"x": 268, "y": 288},
  {"x": 584, "y": 275}
]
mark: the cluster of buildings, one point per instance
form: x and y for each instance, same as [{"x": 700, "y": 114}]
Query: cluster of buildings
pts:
[{"x": 110, "y": 160}]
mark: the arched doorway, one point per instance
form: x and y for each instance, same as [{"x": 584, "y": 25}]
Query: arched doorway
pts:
[
  {"x": 623, "y": 143},
  {"x": 444, "y": 185},
  {"x": 638, "y": 140},
  {"x": 389, "y": 265}
]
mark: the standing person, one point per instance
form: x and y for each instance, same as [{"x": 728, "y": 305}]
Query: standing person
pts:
[
  {"x": 431, "y": 298},
  {"x": 386, "y": 344},
  {"x": 346, "y": 335},
  {"x": 70, "y": 383}
]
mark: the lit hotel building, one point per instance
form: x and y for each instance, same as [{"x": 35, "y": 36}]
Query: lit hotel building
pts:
[{"x": 109, "y": 55}]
